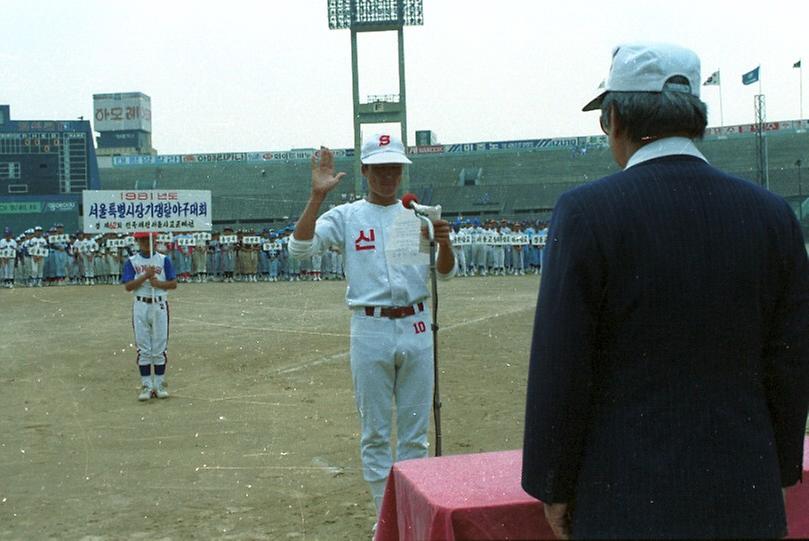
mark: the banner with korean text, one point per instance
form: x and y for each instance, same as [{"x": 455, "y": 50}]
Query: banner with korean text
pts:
[{"x": 127, "y": 211}]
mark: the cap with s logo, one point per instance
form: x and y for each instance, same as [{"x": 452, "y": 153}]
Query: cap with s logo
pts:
[{"x": 383, "y": 148}]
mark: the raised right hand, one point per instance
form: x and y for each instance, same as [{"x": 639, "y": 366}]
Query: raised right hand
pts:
[{"x": 323, "y": 177}]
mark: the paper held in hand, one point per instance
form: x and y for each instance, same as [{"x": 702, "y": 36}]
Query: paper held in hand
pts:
[{"x": 403, "y": 241}]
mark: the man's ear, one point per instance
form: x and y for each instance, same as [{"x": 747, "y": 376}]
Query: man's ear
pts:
[{"x": 615, "y": 122}]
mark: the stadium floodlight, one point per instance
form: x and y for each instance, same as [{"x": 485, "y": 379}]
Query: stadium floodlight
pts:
[
  {"x": 374, "y": 13},
  {"x": 361, "y": 16}
]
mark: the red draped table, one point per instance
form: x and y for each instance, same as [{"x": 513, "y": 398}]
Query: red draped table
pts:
[{"x": 478, "y": 496}]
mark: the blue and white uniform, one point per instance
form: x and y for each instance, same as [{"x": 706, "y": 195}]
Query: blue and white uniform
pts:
[{"x": 150, "y": 314}]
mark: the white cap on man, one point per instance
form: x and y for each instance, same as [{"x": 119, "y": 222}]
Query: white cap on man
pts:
[
  {"x": 647, "y": 67},
  {"x": 383, "y": 148}
]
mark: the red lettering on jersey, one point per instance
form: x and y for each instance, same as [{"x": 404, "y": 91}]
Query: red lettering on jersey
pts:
[
  {"x": 384, "y": 140},
  {"x": 362, "y": 238},
  {"x": 141, "y": 269}
]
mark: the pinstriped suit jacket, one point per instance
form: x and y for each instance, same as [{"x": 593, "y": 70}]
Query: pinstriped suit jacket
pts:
[{"x": 669, "y": 372}]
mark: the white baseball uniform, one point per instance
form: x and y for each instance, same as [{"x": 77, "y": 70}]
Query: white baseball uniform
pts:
[
  {"x": 8, "y": 247},
  {"x": 391, "y": 355},
  {"x": 150, "y": 310},
  {"x": 37, "y": 262},
  {"x": 87, "y": 249}
]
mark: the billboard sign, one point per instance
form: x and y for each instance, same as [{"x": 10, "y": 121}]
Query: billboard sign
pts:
[{"x": 122, "y": 112}]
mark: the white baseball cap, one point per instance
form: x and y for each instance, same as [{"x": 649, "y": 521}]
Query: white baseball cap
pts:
[
  {"x": 645, "y": 67},
  {"x": 383, "y": 148}
]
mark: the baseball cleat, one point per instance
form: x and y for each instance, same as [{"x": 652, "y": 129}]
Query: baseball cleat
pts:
[
  {"x": 145, "y": 393},
  {"x": 160, "y": 391}
]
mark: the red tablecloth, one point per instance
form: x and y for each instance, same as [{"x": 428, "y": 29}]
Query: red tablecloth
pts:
[
  {"x": 460, "y": 497},
  {"x": 479, "y": 496}
]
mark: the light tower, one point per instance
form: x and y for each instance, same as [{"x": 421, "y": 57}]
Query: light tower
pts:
[
  {"x": 760, "y": 106},
  {"x": 376, "y": 16}
]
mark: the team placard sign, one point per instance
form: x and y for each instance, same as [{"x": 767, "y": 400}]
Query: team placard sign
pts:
[
  {"x": 228, "y": 239},
  {"x": 86, "y": 248},
  {"x": 202, "y": 236},
  {"x": 518, "y": 239},
  {"x": 54, "y": 239},
  {"x": 38, "y": 251},
  {"x": 114, "y": 211},
  {"x": 116, "y": 243},
  {"x": 251, "y": 240},
  {"x": 186, "y": 241},
  {"x": 493, "y": 239},
  {"x": 7, "y": 253},
  {"x": 462, "y": 240},
  {"x": 272, "y": 246}
]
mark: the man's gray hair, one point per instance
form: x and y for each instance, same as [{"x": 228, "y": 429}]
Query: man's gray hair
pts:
[{"x": 653, "y": 115}]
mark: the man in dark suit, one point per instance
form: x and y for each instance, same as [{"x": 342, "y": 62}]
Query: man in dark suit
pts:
[{"x": 669, "y": 372}]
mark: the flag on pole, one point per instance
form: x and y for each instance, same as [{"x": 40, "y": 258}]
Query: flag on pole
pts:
[
  {"x": 712, "y": 80},
  {"x": 750, "y": 77},
  {"x": 797, "y": 64}
]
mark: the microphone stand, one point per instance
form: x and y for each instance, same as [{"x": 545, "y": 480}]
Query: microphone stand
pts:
[{"x": 434, "y": 328}]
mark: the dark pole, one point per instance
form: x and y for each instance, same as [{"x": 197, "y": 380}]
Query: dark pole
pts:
[
  {"x": 434, "y": 327},
  {"x": 436, "y": 392},
  {"x": 800, "y": 193}
]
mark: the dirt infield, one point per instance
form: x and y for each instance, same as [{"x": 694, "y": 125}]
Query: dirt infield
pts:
[{"x": 259, "y": 439}]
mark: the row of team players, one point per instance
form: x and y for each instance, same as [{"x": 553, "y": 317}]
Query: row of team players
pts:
[
  {"x": 87, "y": 260},
  {"x": 84, "y": 259}
]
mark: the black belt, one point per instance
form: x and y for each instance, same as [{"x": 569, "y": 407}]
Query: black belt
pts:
[
  {"x": 394, "y": 312},
  {"x": 148, "y": 300}
]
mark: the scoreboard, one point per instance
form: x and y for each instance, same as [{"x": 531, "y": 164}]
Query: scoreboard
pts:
[{"x": 41, "y": 158}]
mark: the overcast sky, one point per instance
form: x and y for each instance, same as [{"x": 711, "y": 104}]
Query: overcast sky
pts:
[{"x": 270, "y": 75}]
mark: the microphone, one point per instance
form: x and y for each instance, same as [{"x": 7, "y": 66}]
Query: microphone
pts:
[{"x": 410, "y": 201}]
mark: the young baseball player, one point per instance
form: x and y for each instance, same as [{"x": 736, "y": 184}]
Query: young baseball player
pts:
[
  {"x": 37, "y": 265},
  {"x": 391, "y": 336},
  {"x": 60, "y": 256},
  {"x": 228, "y": 256},
  {"x": 215, "y": 257},
  {"x": 199, "y": 260},
  {"x": 87, "y": 248},
  {"x": 8, "y": 254},
  {"x": 150, "y": 275}
]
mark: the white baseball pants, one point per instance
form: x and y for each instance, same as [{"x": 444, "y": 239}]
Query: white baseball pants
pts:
[
  {"x": 391, "y": 364},
  {"x": 151, "y": 324}
]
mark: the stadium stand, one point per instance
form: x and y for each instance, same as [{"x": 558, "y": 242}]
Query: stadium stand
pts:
[{"x": 513, "y": 183}]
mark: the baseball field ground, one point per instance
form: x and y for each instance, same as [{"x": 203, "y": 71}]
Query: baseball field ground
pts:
[{"x": 259, "y": 439}]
